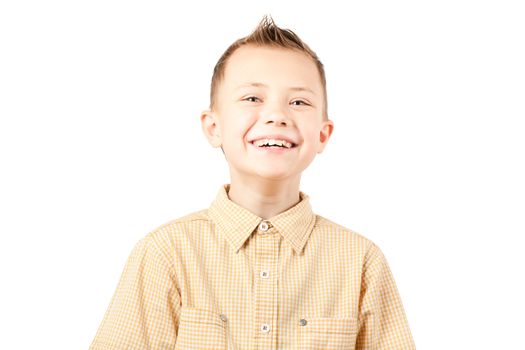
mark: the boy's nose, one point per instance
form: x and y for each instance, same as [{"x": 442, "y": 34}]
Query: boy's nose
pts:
[{"x": 277, "y": 117}]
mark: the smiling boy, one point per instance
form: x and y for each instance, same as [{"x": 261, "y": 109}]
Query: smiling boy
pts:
[
  {"x": 267, "y": 93},
  {"x": 258, "y": 269}
]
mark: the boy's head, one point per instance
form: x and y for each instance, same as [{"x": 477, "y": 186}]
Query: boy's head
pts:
[{"x": 268, "y": 86}]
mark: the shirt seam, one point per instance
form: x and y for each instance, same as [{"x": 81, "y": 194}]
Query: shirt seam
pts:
[
  {"x": 367, "y": 261},
  {"x": 152, "y": 243}
]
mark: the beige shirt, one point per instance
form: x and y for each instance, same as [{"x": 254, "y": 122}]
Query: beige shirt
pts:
[{"x": 223, "y": 278}]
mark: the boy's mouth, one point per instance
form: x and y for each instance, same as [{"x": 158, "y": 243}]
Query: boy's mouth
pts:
[
  {"x": 274, "y": 149},
  {"x": 273, "y": 143},
  {"x": 274, "y": 146}
]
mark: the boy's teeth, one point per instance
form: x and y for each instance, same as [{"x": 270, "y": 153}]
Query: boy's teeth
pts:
[{"x": 271, "y": 142}]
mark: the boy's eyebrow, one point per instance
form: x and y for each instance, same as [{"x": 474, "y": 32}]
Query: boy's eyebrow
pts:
[{"x": 293, "y": 88}]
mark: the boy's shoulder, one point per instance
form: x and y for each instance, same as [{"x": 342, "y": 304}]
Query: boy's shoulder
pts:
[
  {"x": 323, "y": 223},
  {"x": 164, "y": 236},
  {"x": 176, "y": 224}
]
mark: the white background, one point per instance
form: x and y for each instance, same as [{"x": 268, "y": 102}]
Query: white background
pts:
[{"x": 100, "y": 143}]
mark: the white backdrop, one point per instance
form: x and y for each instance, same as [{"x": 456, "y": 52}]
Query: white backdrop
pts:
[{"x": 99, "y": 136}]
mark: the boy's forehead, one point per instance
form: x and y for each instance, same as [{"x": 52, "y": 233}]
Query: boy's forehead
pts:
[{"x": 263, "y": 66}]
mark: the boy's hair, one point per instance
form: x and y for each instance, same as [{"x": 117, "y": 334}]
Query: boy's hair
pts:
[{"x": 267, "y": 34}]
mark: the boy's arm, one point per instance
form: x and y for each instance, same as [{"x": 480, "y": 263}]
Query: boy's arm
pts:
[
  {"x": 382, "y": 320},
  {"x": 145, "y": 308}
]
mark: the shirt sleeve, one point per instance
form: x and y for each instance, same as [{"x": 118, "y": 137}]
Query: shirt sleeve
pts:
[
  {"x": 382, "y": 320},
  {"x": 145, "y": 308}
]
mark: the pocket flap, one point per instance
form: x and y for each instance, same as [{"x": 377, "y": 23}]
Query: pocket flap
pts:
[{"x": 201, "y": 329}]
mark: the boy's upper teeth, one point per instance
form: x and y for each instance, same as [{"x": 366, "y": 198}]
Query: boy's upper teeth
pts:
[{"x": 271, "y": 142}]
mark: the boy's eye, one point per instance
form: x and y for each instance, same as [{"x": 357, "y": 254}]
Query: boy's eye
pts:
[
  {"x": 251, "y": 99},
  {"x": 300, "y": 102}
]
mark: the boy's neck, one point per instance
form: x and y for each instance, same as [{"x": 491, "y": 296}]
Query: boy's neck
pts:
[{"x": 265, "y": 200}]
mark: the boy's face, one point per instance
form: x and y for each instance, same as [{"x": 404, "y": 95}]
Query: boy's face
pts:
[{"x": 269, "y": 93}]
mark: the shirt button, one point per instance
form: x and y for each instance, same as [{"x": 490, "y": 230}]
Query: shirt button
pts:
[
  {"x": 265, "y": 328},
  {"x": 223, "y": 317},
  {"x": 303, "y": 322},
  {"x": 263, "y": 226},
  {"x": 265, "y": 274}
]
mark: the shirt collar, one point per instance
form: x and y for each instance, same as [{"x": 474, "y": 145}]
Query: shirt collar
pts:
[{"x": 238, "y": 223}]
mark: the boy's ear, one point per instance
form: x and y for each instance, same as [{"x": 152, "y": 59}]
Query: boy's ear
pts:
[
  {"x": 210, "y": 127},
  {"x": 324, "y": 135}
]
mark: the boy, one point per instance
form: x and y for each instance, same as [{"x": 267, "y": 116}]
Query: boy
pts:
[{"x": 258, "y": 269}]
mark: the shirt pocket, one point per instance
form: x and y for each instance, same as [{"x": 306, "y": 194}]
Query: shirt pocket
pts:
[
  {"x": 317, "y": 333},
  {"x": 201, "y": 329}
]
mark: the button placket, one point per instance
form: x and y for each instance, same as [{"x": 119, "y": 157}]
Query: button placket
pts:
[{"x": 266, "y": 263}]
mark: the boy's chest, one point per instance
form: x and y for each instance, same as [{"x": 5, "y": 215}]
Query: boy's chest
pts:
[{"x": 267, "y": 296}]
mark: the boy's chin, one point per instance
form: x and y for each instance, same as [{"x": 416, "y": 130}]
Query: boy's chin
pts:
[
  {"x": 262, "y": 173},
  {"x": 275, "y": 175}
]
